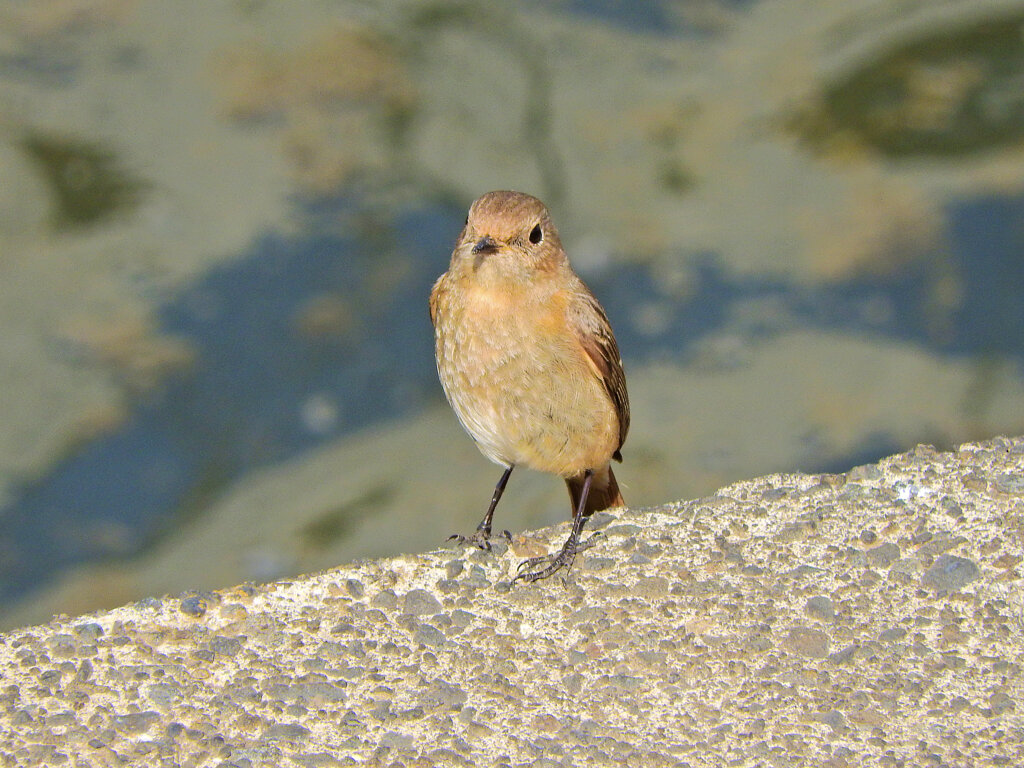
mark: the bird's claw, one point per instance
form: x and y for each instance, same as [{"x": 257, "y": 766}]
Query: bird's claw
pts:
[
  {"x": 480, "y": 538},
  {"x": 562, "y": 559}
]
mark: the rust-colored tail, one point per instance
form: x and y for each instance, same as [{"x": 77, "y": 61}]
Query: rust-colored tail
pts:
[{"x": 604, "y": 491}]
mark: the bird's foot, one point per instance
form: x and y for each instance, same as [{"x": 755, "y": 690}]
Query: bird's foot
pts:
[
  {"x": 547, "y": 565},
  {"x": 480, "y": 538}
]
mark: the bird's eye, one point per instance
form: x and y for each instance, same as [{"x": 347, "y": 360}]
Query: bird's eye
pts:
[{"x": 536, "y": 235}]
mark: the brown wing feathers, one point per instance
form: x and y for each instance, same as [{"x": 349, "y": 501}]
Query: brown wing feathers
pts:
[{"x": 595, "y": 335}]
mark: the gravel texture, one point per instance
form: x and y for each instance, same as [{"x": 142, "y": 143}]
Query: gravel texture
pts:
[{"x": 872, "y": 618}]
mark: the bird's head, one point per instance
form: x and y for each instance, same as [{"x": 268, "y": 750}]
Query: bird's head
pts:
[{"x": 508, "y": 235}]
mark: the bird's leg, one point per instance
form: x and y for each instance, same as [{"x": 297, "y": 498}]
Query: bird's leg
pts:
[
  {"x": 481, "y": 537},
  {"x": 565, "y": 556}
]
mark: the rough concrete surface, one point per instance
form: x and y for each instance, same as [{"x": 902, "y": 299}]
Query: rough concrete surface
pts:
[{"x": 872, "y": 618}]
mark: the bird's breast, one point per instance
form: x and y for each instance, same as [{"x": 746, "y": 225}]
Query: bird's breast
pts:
[{"x": 515, "y": 373}]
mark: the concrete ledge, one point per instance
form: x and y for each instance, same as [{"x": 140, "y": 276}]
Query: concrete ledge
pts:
[{"x": 867, "y": 619}]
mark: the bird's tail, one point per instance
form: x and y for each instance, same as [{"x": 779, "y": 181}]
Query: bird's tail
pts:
[{"x": 604, "y": 491}]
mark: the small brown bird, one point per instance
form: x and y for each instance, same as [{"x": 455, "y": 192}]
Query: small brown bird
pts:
[{"x": 529, "y": 363}]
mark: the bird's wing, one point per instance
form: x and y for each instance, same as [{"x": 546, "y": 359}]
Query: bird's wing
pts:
[
  {"x": 596, "y": 337},
  {"x": 435, "y": 298}
]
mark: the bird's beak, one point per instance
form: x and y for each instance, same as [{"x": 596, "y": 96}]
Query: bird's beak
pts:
[{"x": 484, "y": 245}]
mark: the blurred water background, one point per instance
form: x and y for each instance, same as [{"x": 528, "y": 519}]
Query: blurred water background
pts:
[{"x": 219, "y": 224}]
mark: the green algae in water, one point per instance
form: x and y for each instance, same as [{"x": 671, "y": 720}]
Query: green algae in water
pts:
[
  {"x": 947, "y": 93},
  {"x": 86, "y": 180},
  {"x": 676, "y": 178},
  {"x": 337, "y": 523}
]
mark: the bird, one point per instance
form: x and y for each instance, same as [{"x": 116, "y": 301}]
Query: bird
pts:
[{"x": 528, "y": 361}]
